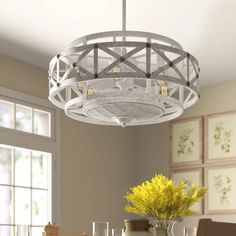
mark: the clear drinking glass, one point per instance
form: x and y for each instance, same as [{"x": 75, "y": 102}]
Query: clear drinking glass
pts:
[
  {"x": 116, "y": 232},
  {"x": 190, "y": 231},
  {"x": 100, "y": 228}
]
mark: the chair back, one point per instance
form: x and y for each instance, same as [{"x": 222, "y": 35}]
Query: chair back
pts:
[{"x": 207, "y": 227}]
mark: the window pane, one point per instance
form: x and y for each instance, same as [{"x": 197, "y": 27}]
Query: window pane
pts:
[
  {"x": 22, "y": 206},
  {"x": 37, "y": 231},
  {"x": 23, "y": 230},
  {"x": 22, "y": 167},
  {"x": 42, "y": 123},
  {"x": 6, "y": 114},
  {"x": 6, "y": 231},
  {"x": 6, "y": 205},
  {"x": 40, "y": 169},
  {"x": 23, "y": 118},
  {"x": 5, "y": 165},
  {"x": 39, "y": 207}
]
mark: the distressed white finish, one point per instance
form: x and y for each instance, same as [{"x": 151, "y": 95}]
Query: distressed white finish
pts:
[
  {"x": 115, "y": 78},
  {"x": 123, "y": 78}
]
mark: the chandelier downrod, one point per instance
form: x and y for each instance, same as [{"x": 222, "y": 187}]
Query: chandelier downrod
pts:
[{"x": 124, "y": 16}]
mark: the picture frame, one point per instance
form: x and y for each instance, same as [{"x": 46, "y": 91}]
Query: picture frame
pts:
[
  {"x": 220, "y": 181},
  {"x": 186, "y": 142},
  {"x": 193, "y": 175},
  {"x": 220, "y": 135}
]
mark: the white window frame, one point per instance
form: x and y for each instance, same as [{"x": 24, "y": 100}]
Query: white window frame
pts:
[{"x": 32, "y": 141}]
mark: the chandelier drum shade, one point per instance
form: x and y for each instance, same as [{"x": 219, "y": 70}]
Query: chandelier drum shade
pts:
[{"x": 124, "y": 78}]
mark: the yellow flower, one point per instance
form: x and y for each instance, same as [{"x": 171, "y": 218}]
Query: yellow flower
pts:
[{"x": 162, "y": 199}]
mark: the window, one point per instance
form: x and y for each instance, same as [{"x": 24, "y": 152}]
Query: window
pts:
[
  {"x": 28, "y": 147},
  {"x": 25, "y": 187},
  {"x": 25, "y": 118}
]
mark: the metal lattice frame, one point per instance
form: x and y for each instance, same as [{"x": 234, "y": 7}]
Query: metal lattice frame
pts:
[{"x": 144, "y": 60}]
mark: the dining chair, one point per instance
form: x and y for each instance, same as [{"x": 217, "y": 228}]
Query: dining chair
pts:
[{"x": 207, "y": 227}]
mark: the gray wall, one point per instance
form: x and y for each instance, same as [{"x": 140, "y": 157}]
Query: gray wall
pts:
[
  {"x": 151, "y": 151},
  {"x": 96, "y": 171}
]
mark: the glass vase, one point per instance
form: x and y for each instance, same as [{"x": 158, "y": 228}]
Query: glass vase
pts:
[{"x": 164, "y": 227}]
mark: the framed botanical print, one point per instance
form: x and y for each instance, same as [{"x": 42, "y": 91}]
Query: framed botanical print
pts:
[
  {"x": 220, "y": 137},
  {"x": 221, "y": 184},
  {"x": 186, "y": 142},
  {"x": 189, "y": 176}
]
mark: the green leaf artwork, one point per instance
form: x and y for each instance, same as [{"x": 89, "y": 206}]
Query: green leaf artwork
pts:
[
  {"x": 188, "y": 183},
  {"x": 223, "y": 187},
  {"x": 185, "y": 143},
  {"x": 222, "y": 137}
]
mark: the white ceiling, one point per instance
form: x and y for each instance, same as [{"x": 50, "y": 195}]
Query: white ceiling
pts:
[{"x": 36, "y": 30}]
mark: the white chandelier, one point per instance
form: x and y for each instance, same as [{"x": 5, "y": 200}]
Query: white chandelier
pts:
[{"x": 124, "y": 78}]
